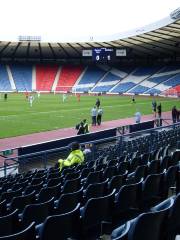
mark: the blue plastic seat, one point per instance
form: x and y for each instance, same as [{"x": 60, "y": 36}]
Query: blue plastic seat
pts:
[
  {"x": 151, "y": 190},
  {"x": 95, "y": 190},
  {"x": 28, "y": 233},
  {"x": 71, "y": 185},
  {"x": 47, "y": 193},
  {"x": 94, "y": 212},
  {"x": 147, "y": 226},
  {"x": 68, "y": 201},
  {"x": 127, "y": 203},
  {"x": 21, "y": 201},
  {"x": 61, "y": 226},
  {"x": 9, "y": 223},
  {"x": 36, "y": 212}
]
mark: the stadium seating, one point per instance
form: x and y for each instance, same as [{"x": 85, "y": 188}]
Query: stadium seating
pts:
[
  {"x": 96, "y": 78},
  {"x": 22, "y": 76},
  {"x": 106, "y": 83},
  {"x": 134, "y": 78},
  {"x": 68, "y": 76},
  {"x": 145, "y": 226},
  {"x": 26, "y": 234},
  {"x": 91, "y": 76},
  {"x": 114, "y": 188},
  {"x": 4, "y": 79},
  {"x": 45, "y": 76}
]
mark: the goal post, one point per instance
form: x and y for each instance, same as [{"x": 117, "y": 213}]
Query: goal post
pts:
[{"x": 64, "y": 89}]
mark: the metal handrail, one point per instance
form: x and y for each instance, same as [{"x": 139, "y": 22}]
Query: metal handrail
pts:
[{"x": 95, "y": 142}]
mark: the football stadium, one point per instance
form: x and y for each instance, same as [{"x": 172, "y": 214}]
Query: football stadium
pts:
[{"x": 89, "y": 126}]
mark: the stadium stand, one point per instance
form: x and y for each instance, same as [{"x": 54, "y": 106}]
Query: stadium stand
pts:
[
  {"x": 45, "y": 76},
  {"x": 4, "y": 79},
  {"x": 22, "y": 76},
  {"x": 105, "y": 84},
  {"x": 91, "y": 76},
  {"x": 142, "y": 184},
  {"x": 129, "y": 83},
  {"x": 68, "y": 76}
]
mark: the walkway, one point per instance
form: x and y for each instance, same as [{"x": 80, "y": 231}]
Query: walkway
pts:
[{"x": 15, "y": 142}]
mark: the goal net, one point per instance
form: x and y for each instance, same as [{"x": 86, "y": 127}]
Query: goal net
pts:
[{"x": 65, "y": 89}]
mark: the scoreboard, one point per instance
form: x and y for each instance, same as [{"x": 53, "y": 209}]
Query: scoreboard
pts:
[{"x": 103, "y": 54}]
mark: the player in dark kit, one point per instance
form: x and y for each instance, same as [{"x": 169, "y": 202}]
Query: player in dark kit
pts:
[
  {"x": 5, "y": 97},
  {"x": 98, "y": 103},
  {"x": 133, "y": 99}
]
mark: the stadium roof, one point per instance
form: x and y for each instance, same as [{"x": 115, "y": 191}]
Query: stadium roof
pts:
[{"x": 160, "y": 39}]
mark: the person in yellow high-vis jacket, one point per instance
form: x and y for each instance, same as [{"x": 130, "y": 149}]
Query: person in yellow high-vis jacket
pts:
[{"x": 76, "y": 156}]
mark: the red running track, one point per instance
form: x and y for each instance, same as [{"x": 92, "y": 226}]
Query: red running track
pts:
[{"x": 16, "y": 142}]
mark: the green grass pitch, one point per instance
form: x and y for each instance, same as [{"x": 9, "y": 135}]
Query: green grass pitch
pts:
[{"x": 49, "y": 112}]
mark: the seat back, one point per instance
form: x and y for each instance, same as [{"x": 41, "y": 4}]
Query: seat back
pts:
[
  {"x": 122, "y": 168},
  {"x": 32, "y": 188},
  {"x": 68, "y": 201},
  {"x": 37, "y": 212},
  {"x": 109, "y": 172},
  {"x": 47, "y": 193},
  {"x": 71, "y": 185},
  {"x": 154, "y": 167},
  {"x": 26, "y": 234},
  {"x": 93, "y": 177},
  {"x": 173, "y": 224},
  {"x": 95, "y": 211},
  {"x": 8, "y": 223},
  {"x": 140, "y": 172},
  {"x": 3, "y": 208},
  {"x": 54, "y": 181},
  {"x": 9, "y": 195},
  {"x": 147, "y": 226},
  {"x": 151, "y": 185},
  {"x": 95, "y": 190},
  {"x": 62, "y": 226},
  {"x": 128, "y": 196},
  {"x": 21, "y": 201}
]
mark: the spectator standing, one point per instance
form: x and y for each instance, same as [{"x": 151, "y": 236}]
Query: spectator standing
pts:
[
  {"x": 174, "y": 114},
  {"x": 93, "y": 115},
  {"x": 86, "y": 126},
  {"x": 76, "y": 156},
  {"x": 159, "y": 110},
  {"x": 137, "y": 117},
  {"x": 154, "y": 106},
  {"x": 99, "y": 115}
]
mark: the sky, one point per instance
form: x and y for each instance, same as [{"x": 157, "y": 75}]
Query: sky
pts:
[{"x": 69, "y": 20}]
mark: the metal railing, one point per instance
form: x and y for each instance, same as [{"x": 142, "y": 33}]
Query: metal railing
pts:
[{"x": 45, "y": 156}]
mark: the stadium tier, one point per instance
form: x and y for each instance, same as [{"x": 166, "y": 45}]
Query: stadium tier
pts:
[
  {"x": 22, "y": 76},
  {"x": 45, "y": 77},
  {"x": 96, "y": 78},
  {"x": 68, "y": 77},
  {"x": 110, "y": 79},
  {"x": 91, "y": 76},
  {"x": 4, "y": 79}
]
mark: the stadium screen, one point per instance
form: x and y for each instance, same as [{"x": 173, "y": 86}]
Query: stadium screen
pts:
[{"x": 103, "y": 54}]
